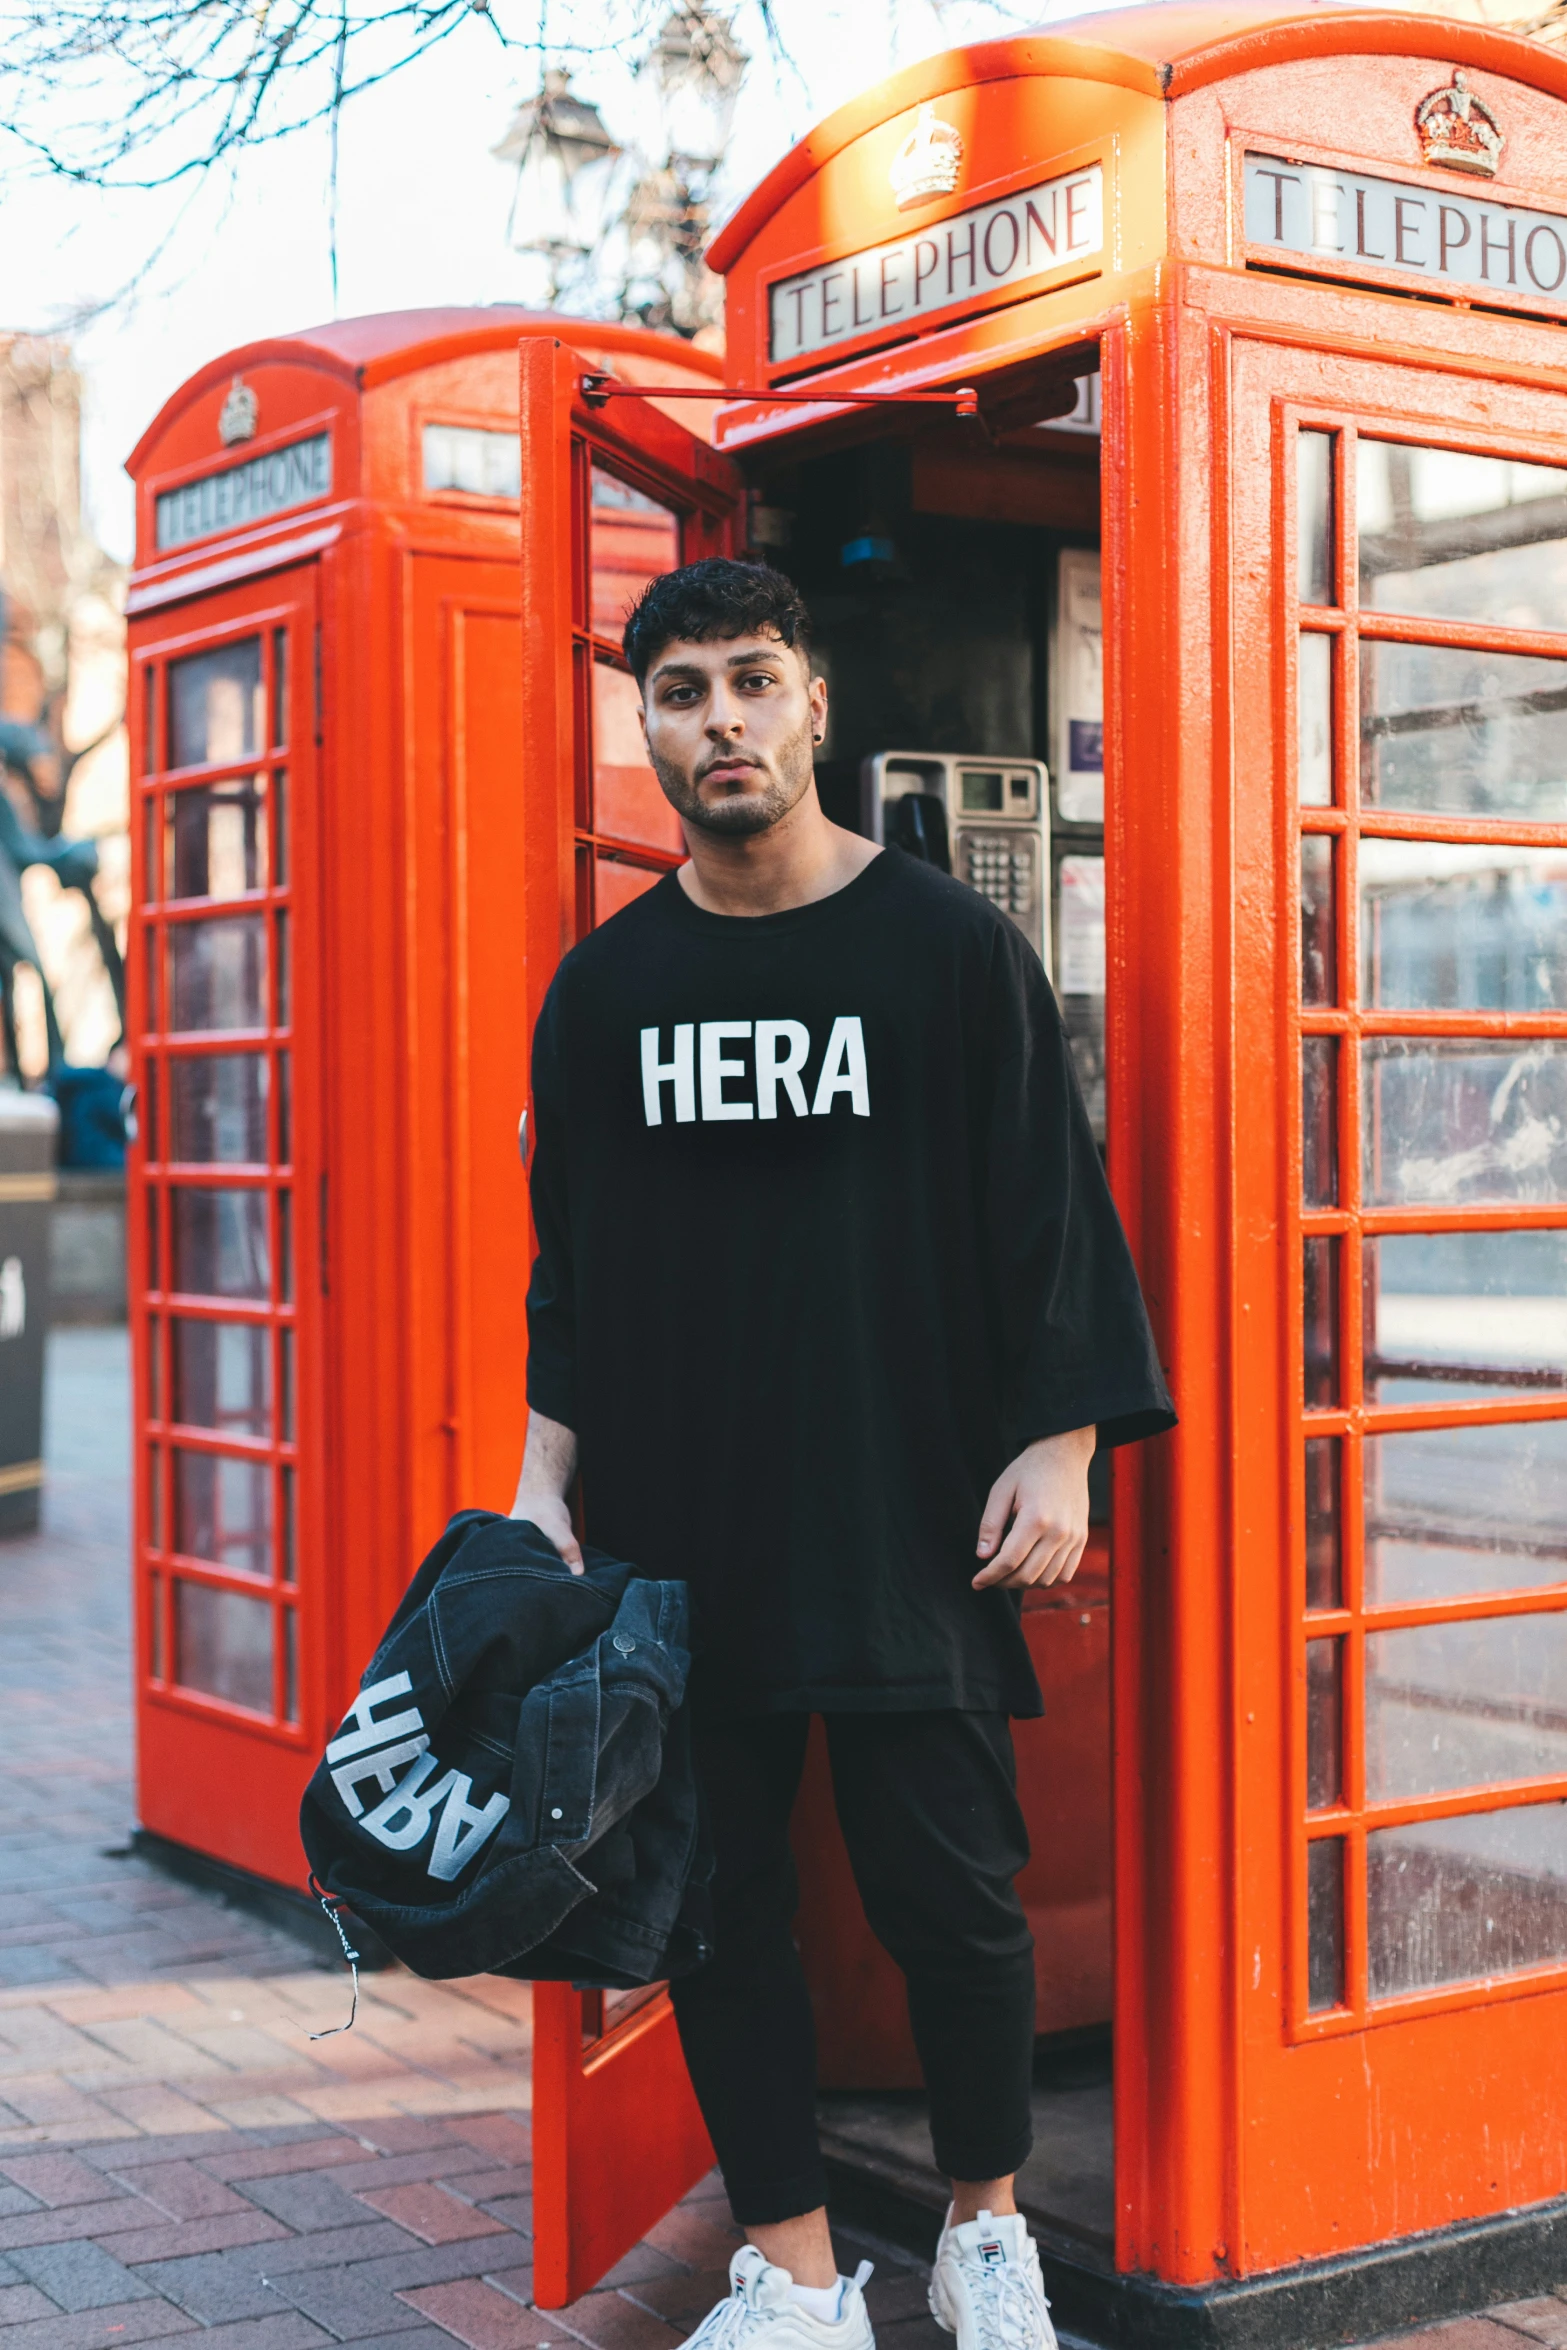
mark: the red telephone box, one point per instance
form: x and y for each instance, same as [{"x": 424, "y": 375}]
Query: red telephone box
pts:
[
  {"x": 329, "y": 1231},
  {"x": 1311, "y": 269}
]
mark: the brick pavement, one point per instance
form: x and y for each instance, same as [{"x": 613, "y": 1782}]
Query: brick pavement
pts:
[{"x": 176, "y": 2156}]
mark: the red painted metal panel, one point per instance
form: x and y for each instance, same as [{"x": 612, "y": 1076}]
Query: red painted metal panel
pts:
[{"x": 617, "y": 2134}]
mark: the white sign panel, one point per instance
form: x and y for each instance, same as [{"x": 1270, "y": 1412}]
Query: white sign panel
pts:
[
  {"x": 1080, "y": 945},
  {"x": 954, "y": 261},
  {"x": 246, "y": 493},
  {"x": 1080, "y": 690},
  {"x": 1440, "y": 236}
]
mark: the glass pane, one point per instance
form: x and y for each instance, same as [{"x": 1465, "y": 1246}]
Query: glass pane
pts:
[
  {"x": 223, "y": 1376},
  {"x": 151, "y": 949},
  {"x": 1457, "y": 1510},
  {"x": 1314, "y": 721},
  {"x": 628, "y": 802},
  {"x": 218, "y": 973},
  {"x": 1320, "y": 1283},
  {"x": 154, "y": 1252},
  {"x": 218, "y": 1108},
  {"x": 288, "y": 1563},
  {"x": 290, "y": 1665},
  {"x": 1318, "y": 963},
  {"x": 1314, "y": 517},
  {"x": 155, "y": 1517},
  {"x": 1452, "y": 1899},
  {"x": 1461, "y": 537},
  {"x": 155, "y": 1627},
  {"x": 215, "y": 712},
  {"x": 280, "y": 829},
  {"x": 634, "y": 539},
  {"x": 286, "y": 1382},
  {"x": 279, "y": 688},
  {"x": 1461, "y": 1120},
  {"x": 223, "y": 1511},
  {"x": 154, "y": 1367},
  {"x": 285, "y": 1109},
  {"x": 285, "y": 1247},
  {"x": 1324, "y": 1583},
  {"x": 1465, "y": 1705},
  {"x": 151, "y": 1122},
  {"x": 1450, "y": 1316},
  {"x": 284, "y": 973},
  {"x": 223, "y": 1645},
  {"x": 487, "y": 464},
  {"x": 1324, "y": 1720},
  {"x": 220, "y": 1243},
  {"x": 215, "y": 839},
  {"x": 1463, "y": 733},
  {"x": 1325, "y": 1923},
  {"x": 1319, "y": 1120},
  {"x": 1454, "y": 927},
  {"x": 150, "y": 820}
]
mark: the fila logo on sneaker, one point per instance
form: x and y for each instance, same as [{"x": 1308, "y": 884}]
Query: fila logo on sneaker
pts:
[
  {"x": 366, "y": 1748},
  {"x": 780, "y": 1051},
  {"x": 992, "y": 2254}
]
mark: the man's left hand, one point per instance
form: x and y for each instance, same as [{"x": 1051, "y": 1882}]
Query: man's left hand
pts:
[{"x": 1035, "y": 1524}]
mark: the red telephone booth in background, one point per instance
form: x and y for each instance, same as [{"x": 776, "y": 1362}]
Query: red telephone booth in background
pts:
[
  {"x": 329, "y": 1235},
  {"x": 1311, "y": 270}
]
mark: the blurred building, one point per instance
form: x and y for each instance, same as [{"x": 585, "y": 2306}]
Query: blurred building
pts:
[{"x": 62, "y": 671}]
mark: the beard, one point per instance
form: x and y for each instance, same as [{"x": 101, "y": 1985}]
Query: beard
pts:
[{"x": 741, "y": 813}]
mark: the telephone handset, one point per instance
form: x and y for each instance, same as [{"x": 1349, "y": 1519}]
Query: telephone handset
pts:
[{"x": 986, "y": 820}]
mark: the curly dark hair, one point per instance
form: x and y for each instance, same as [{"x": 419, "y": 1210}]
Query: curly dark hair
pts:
[{"x": 712, "y": 600}]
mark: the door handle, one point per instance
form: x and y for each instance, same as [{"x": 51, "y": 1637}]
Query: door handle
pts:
[{"x": 522, "y": 1137}]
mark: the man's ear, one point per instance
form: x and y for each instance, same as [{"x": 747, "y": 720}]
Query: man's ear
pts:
[
  {"x": 818, "y": 692},
  {"x": 642, "y": 715}
]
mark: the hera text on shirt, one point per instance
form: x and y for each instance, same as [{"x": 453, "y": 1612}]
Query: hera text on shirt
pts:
[{"x": 700, "y": 1069}]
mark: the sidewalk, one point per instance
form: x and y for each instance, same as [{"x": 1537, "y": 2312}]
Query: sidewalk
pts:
[{"x": 176, "y": 2156}]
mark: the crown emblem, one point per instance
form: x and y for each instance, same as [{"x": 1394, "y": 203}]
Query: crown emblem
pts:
[
  {"x": 1458, "y": 128},
  {"x": 238, "y": 414},
  {"x": 927, "y": 163}
]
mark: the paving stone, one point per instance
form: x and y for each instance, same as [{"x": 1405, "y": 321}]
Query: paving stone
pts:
[
  {"x": 414, "y": 2337},
  {"x": 102, "y": 2329},
  {"x": 19, "y": 2302},
  {"x": 515, "y": 2210},
  {"x": 58, "y": 2180},
  {"x": 181, "y": 2236},
  {"x": 502, "y": 2135},
  {"x": 328, "y": 2247},
  {"x": 185, "y": 2191},
  {"x": 611, "y": 2322},
  {"x": 276, "y": 2161},
  {"x": 78, "y": 2276},
  {"x": 464, "y": 2164},
  {"x": 517, "y": 2282},
  {"x": 1460, "y": 2333},
  {"x": 1544, "y": 2320},
  {"x": 306, "y": 2200},
  {"x": 439, "y": 2264},
  {"x": 14, "y": 2199},
  {"x": 477, "y": 2315},
  {"x": 132, "y": 2154},
  {"x": 429, "y": 2213},
  {"x": 76, "y": 2222},
  {"x": 891, "y": 2297},
  {"x": 285, "y": 2330},
  {"x": 350, "y": 2305},
  {"x": 484, "y": 2186},
  {"x": 642, "y": 2264},
  {"x": 914, "y": 2333},
  {"x": 681, "y": 2296},
  {"x": 692, "y": 2235},
  {"x": 405, "y": 2133},
  {"x": 210, "y": 2288}
]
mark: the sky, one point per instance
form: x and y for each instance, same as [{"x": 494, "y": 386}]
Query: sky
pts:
[{"x": 422, "y": 207}]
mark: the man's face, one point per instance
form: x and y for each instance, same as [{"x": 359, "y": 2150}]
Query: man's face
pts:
[{"x": 730, "y": 728}]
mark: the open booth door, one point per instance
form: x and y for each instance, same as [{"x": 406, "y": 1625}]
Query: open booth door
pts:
[{"x": 610, "y": 497}]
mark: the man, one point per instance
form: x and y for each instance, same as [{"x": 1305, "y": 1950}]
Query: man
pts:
[{"x": 830, "y": 1299}]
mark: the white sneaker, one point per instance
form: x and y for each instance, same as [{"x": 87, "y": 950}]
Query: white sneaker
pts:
[
  {"x": 986, "y": 2287},
  {"x": 761, "y": 2310}
]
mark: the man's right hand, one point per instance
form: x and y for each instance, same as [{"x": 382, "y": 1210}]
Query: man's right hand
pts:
[
  {"x": 553, "y": 1519},
  {"x": 549, "y": 1463}
]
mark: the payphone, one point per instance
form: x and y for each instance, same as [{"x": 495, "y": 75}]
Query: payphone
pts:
[{"x": 986, "y": 820}]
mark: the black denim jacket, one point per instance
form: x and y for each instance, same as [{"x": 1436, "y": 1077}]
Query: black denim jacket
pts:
[{"x": 512, "y": 1791}]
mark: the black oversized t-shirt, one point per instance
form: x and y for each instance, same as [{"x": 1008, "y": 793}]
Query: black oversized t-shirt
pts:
[{"x": 823, "y": 1242}]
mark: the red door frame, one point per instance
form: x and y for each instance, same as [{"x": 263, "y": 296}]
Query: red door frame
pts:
[
  {"x": 215, "y": 1776},
  {"x": 617, "y": 2134}
]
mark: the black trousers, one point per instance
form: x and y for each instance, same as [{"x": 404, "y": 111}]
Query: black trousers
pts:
[{"x": 929, "y": 1811}]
